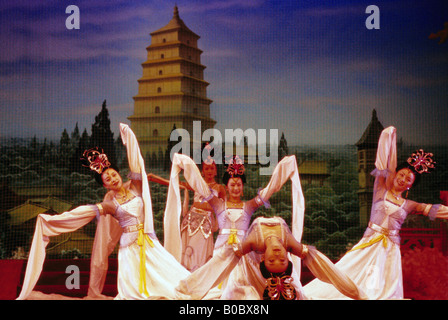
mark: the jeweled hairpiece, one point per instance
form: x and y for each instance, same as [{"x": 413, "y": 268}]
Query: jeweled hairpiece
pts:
[
  {"x": 207, "y": 155},
  {"x": 235, "y": 166},
  {"x": 421, "y": 161},
  {"x": 97, "y": 160}
]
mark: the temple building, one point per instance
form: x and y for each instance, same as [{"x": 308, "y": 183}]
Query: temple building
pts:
[
  {"x": 172, "y": 91},
  {"x": 313, "y": 172},
  {"x": 367, "y": 147}
]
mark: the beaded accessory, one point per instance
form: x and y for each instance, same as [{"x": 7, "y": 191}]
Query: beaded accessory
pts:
[
  {"x": 421, "y": 161},
  {"x": 97, "y": 160},
  {"x": 235, "y": 166}
]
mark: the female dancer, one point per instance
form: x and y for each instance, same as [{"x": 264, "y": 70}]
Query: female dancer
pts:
[
  {"x": 146, "y": 270},
  {"x": 239, "y": 276},
  {"x": 199, "y": 223},
  {"x": 374, "y": 264},
  {"x": 272, "y": 238}
]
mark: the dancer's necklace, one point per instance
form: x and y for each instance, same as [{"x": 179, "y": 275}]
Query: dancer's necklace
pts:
[
  {"x": 234, "y": 204},
  {"x": 398, "y": 197},
  {"x": 122, "y": 197}
]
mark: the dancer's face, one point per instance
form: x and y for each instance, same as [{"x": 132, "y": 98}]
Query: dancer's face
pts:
[
  {"x": 209, "y": 171},
  {"x": 235, "y": 188},
  {"x": 276, "y": 258},
  {"x": 112, "y": 179},
  {"x": 403, "y": 180}
]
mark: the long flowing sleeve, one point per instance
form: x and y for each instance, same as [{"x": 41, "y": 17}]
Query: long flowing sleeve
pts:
[
  {"x": 385, "y": 162},
  {"x": 173, "y": 209},
  {"x": 137, "y": 167},
  {"x": 326, "y": 271},
  {"x": 440, "y": 211},
  {"x": 287, "y": 169},
  {"x": 108, "y": 232},
  {"x": 386, "y": 156},
  {"x": 436, "y": 211},
  {"x": 48, "y": 226}
]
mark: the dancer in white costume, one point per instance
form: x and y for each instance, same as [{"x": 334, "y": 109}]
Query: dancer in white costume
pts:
[
  {"x": 272, "y": 238},
  {"x": 199, "y": 222},
  {"x": 374, "y": 264},
  {"x": 240, "y": 277},
  {"x": 146, "y": 270}
]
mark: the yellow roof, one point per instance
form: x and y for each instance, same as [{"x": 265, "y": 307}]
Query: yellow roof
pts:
[
  {"x": 25, "y": 212},
  {"x": 32, "y": 209},
  {"x": 313, "y": 167},
  {"x": 55, "y": 204},
  {"x": 39, "y": 191}
]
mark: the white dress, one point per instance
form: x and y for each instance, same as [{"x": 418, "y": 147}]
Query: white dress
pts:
[
  {"x": 146, "y": 270},
  {"x": 197, "y": 234},
  {"x": 160, "y": 272},
  {"x": 374, "y": 263}
]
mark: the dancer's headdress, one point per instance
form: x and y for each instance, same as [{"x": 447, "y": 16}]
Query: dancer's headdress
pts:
[
  {"x": 421, "y": 161},
  {"x": 235, "y": 166},
  {"x": 278, "y": 285},
  {"x": 207, "y": 155},
  {"x": 97, "y": 161}
]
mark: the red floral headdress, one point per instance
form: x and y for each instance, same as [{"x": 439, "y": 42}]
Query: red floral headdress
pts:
[
  {"x": 207, "y": 151},
  {"x": 97, "y": 160},
  {"x": 421, "y": 161},
  {"x": 235, "y": 166}
]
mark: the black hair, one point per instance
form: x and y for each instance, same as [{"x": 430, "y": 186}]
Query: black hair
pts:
[{"x": 226, "y": 177}]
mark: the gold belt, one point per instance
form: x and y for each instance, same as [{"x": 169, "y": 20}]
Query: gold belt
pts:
[
  {"x": 141, "y": 240},
  {"x": 133, "y": 228},
  {"x": 232, "y": 231},
  {"x": 233, "y": 239},
  {"x": 386, "y": 232}
]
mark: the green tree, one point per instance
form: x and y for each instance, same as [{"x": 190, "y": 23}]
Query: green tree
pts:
[
  {"x": 102, "y": 136},
  {"x": 83, "y": 144},
  {"x": 64, "y": 150},
  {"x": 283, "y": 149}
]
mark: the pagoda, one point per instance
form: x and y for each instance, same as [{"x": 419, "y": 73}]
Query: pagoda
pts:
[
  {"x": 367, "y": 147},
  {"x": 172, "y": 91}
]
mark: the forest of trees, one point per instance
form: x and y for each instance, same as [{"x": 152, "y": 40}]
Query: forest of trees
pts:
[{"x": 332, "y": 211}]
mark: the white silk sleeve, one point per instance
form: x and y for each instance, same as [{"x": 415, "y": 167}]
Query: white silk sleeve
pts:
[
  {"x": 386, "y": 156},
  {"x": 173, "y": 210},
  {"x": 286, "y": 170},
  {"x": 108, "y": 232},
  {"x": 49, "y": 226},
  {"x": 326, "y": 271},
  {"x": 137, "y": 166},
  {"x": 438, "y": 211}
]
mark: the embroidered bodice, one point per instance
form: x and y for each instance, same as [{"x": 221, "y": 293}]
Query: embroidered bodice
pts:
[
  {"x": 129, "y": 214},
  {"x": 199, "y": 220},
  {"x": 388, "y": 215},
  {"x": 232, "y": 219}
]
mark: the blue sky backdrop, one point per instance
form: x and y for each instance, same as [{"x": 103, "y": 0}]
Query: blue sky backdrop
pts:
[{"x": 310, "y": 69}]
